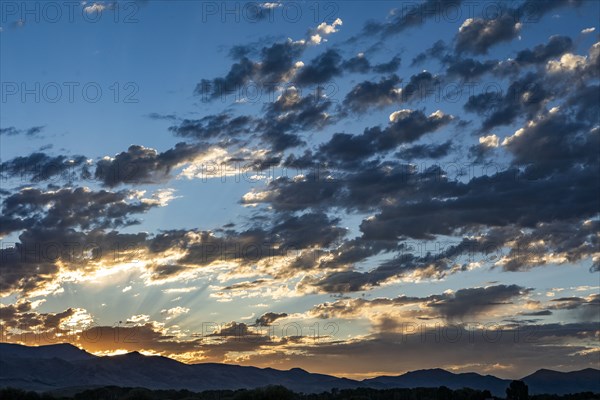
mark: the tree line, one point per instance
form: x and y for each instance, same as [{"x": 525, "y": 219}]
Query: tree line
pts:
[{"x": 516, "y": 391}]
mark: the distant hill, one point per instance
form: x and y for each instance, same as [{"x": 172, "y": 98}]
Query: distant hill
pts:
[
  {"x": 440, "y": 377},
  {"x": 47, "y": 368},
  {"x": 548, "y": 381},
  {"x": 59, "y": 367},
  {"x": 64, "y": 351}
]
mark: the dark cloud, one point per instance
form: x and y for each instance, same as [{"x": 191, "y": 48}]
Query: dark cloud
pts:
[
  {"x": 275, "y": 64},
  {"x": 473, "y": 301},
  {"x": 469, "y": 68},
  {"x": 420, "y": 86},
  {"x": 42, "y": 167},
  {"x": 34, "y": 263},
  {"x": 556, "y": 46},
  {"x": 541, "y": 313},
  {"x": 533, "y": 10},
  {"x": 557, "y": 149},
  {"x": 422, "y": 151},
  {"x": 268, "y": 318},
  {"x": 80, "y": 207},
  {"x": 410, "y": 15},
  {"x": 140, "y": 164},
  {"x": 437, "y": 50},
  {"x": 406, "y": 126},
  {"x": 21, "y": 317},
  {"x": 505, "y": 200},
  {"x": 370, "y": 94},
  {"x": 167, "y": 117},
  {"x": 554, "y": 141},
  {"x": 65, "y": 229},
  {"x": 359, "y": 63},
  {"x": 468, "y": 302},
  {"x": 477, "y": 35},
  {"x": 307, "y": 230},
  {"x": 12, "y": 131},
  {"x": 233, "y": 329},
  {"x": 388, "y": 67},
  {"x": 220, "y": 126},
  {"x": 488, "y": 199},
  {"x": 290, "y": 114},
  {"x": 286, "y": 236},
  {"x": 584, "y": 309},
  {"x": 524, "y": 97},
  {"x": 320, "y": 69}
]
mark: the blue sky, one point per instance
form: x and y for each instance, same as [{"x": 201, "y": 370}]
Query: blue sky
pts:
[{"x": 494, "y": 221}]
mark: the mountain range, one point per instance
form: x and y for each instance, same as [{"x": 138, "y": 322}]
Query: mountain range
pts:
[{"x": 66, "y": 367}]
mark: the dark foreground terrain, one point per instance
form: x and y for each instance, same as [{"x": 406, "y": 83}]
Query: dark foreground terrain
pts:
[{"x": 281, "y": 393}]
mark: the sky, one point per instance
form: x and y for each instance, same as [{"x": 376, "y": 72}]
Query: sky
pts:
[{"x": 352, "y": 188}]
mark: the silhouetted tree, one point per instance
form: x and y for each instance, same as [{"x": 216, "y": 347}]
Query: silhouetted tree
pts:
[
  {"x": 517, "y": 390},
  {"x": 443, "y": 393}
]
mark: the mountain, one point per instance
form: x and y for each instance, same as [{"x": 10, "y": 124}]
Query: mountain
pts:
[
  {"x": 548, "y": 381},
  {"x": 22, "y": 367},
  {"x": 63, "y": 351},
  {"x": 59, "y": 367},
  {"x": 439, "y": 377}
]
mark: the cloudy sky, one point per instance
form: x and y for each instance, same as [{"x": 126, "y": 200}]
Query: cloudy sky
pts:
[{"x": 350, "y": 188}]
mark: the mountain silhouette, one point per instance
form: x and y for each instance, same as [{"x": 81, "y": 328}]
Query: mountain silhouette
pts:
[
  {"x": 64, "y": 366},
  {"x": 441, "y": 377},
  {"x": 549, "y": 381}
]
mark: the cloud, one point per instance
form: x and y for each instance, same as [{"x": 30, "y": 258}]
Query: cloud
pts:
[
  {"x": 567, "y": 63},
  {"x": 468, "y": 302},
  {"x": 357, "y": 64},
  {"x": 368, "y": 94},
  {"x": 277, "y": 64},
  {"x": 66, "y": 234},
  {"x": 30, "y": 132},
  {"x": 410, "y": 15},
  {"x": 174, "y": 312},
  {"x": 320, "y": 69},
  {"x": 533, "y": 10},
  {"x": 477, "y": 35},
  {"x": 489, "y": 141},
  {"x": 469, "y": 68},
  {"x": 437, "y": 50},
  {"x": 292, "y": 113},
  {"x": 43, "y": 167},
  {"x": 94, "y": 8},
  {"x": 556, "y": 46},
  {"x": 220, "y": 126},
  {"x": 419, "y": 86},
  {"x": 317, "y": 36},
  {"x": 326, "y": 29},
  {"x": 524, "y": 97},
  {"x": 475, "y": 301},
  {"x": 405, "y": 126},
  {"x": 268, "y": 318},
  {"x": 140, "y": 164},
  {"x": 388, "y": 67},
  {"x": 424, "y": 151},
  {"x": 559, "y": 142}
]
